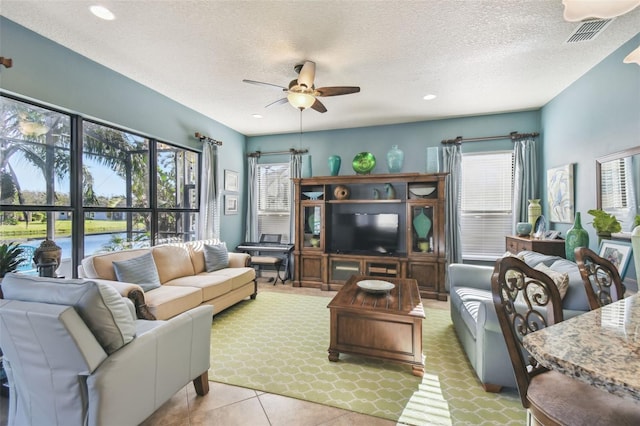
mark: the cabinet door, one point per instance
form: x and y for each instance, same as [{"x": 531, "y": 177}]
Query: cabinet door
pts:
[
  {"x": 341, "y": 269},
  {"x": 421, "y": 224},
  {"x": 313, "y": 226},
  {"x": 311, "y": 268},
  {"x": 427, "y": 275}
]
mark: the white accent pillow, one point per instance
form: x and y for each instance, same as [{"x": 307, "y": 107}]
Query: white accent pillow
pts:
[
  {"x": 99, "y": 305},
  {"x": 139, "y": 270}
]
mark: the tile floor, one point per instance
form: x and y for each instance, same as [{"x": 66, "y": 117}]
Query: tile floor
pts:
[{"x": 230, "y": 405}]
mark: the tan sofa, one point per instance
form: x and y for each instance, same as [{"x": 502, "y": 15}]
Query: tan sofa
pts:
[{"x": 182, "y": 273}]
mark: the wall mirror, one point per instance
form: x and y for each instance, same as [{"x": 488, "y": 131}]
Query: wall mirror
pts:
[{"x": 618, "y": 183}]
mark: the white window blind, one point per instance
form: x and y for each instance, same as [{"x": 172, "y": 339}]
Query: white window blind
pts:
[
  {"x": 618, "y": 192},
  {"x": 486, "y": 204},
  {"x": 274, "y": 199}
]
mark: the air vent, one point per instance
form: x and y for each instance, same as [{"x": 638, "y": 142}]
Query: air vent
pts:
[{"x": 588, "y": 30}]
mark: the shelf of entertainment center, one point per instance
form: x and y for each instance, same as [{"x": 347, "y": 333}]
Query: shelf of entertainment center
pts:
[{"x": 365, "y": 201}]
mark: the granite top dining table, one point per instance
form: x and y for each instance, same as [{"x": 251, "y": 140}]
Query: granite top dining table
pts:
[{"x": 600, "y": 347}]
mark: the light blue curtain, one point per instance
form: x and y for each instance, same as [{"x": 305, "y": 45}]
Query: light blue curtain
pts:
[
  {"x": 295, "y": 171},
  {"x": 209, "y": 217},
  {"x": 525, "y": 178},
  {"x": 251, "y": 231},
  {"x": 452, "y": 158}
]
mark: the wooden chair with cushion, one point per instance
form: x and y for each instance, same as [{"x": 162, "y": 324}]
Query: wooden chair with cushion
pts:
[
  {"x": 527, "y": 300},
  {"x": 275, "y": 262},
  {"x": 601, "y": 278}
]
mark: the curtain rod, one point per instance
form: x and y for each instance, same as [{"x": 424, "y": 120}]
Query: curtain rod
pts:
[
  {"x": 514, "y": 136},
  {"x": 202, "y": 138},
  {"x": 291, "y": 151}
]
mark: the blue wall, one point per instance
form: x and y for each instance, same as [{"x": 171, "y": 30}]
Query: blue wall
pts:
[
  {"x": 597, "y": 115},
  {"x": 412, "y": 138},
  {"x": 49, "y": 73}
]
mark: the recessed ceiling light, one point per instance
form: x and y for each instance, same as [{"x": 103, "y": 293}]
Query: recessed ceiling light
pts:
[
  {"x": 429, "y": 97},
  {"x": 256, "y": 115},
  {"x": 102, "y": 13}
]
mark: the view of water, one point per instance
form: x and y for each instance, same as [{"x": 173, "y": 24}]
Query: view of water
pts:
[{"x": 92, "y": 243}]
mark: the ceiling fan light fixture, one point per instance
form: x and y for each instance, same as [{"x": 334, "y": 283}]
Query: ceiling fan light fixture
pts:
[
  {"x": 577, "y": 10},
  {"x": 301, "y": 100},
  {"x": 633, "y": 57}
]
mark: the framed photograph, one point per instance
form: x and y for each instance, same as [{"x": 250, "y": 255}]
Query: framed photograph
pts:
[
  {"x": 230, "y": 181},
  {"x": 230, "y": 204},
  {"x": 617, "y": 252},
  {"x": 560, "y": 194}
]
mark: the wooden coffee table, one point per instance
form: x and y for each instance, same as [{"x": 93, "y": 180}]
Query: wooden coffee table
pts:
[{"x": 386, "y": 326}]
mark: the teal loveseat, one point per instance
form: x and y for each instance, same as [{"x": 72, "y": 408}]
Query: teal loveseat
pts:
[{"x": 476, "y": 324}]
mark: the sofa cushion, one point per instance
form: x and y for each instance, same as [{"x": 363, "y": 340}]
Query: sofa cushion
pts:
[
  {"x": 167, "y": 301},
  {"x": 216, "y": 257},
  {"x": 238, "y": 276},
  {"x": 173, "y": 261},
  {"x": 211, "y": 285},
  {"x": 532, "y": 258},
  {"x": 469, "y": 314},
  {"x": 99, "y": 305},
  {"x": 139, "y": 270}
]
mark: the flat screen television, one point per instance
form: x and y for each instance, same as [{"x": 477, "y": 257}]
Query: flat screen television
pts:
[{"x": 361, "y": 232}]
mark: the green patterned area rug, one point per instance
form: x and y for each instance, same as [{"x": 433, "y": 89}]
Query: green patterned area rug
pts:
[{"x": 278, "y": 344}]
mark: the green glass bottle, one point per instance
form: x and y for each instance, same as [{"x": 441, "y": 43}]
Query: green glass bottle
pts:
[{"x": 577, "y": 236}]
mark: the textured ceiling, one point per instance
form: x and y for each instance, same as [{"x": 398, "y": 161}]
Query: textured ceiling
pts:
[{"x": 478, "y": 56}]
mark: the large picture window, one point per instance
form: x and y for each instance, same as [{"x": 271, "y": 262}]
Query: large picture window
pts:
[
  {"x": 486, "y": 204},
  {"x": 132, "y": 191}
]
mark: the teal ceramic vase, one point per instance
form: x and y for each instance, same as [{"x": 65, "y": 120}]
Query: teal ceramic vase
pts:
[
  {"x": 577, "y": 236},
  {"x": 395, "y": 159},
  {"x": 306, "y": 166},
  {"x": 334, "y": 165}
]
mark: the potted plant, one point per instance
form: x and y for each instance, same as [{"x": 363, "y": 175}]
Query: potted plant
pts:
[
  {"x": 604, "y": 223},
  {"x": 9, "y": 258}
]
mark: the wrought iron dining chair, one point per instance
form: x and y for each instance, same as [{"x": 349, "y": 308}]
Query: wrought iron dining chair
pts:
[
  {"x": 527, "y": 300},
  {"x": 602, "y": 281}
]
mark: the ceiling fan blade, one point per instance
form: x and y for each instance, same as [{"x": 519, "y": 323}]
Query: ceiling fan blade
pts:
[
  {"x": 278, "y": 102},
  {"x": 336, "y": 90},
  {"x": 260, "y": 83},
  {"x": 318, "y": 106},
  {"x": 307, "y": 74}
]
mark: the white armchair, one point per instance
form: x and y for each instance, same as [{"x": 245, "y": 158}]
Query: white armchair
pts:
[{"x": 75, "y": 354}]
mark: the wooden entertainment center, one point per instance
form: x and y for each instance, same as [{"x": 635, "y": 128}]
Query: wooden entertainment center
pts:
[{"x": 416, "y": 199}]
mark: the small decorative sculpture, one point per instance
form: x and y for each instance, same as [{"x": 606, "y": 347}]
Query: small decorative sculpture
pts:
[
  {"x": 376, "y": 194},
  {"x": 47, "y": 258},
  {"x": 390, "y": 190}
]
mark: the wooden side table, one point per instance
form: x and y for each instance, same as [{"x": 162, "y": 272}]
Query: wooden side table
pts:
[{"x": 515, "y": 245}]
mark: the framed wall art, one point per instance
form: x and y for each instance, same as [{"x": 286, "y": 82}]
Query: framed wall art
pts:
[
  {"x": 617, "y": 252},
  {"x": 560, "y": 194},
  {"x": 230, "y": 181},
  {"x": 230, "y": 204}
]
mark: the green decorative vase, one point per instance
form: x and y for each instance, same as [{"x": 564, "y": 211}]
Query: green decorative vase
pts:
[
  {"x": 363, "y": 163},
  {"x": 577, "y": 236},
  {"x": 422, "y": 225},
  {"x": 334, "y": 165}
]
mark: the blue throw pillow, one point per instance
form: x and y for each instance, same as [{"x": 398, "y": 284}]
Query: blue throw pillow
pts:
[
  {"x": 216, "y": 257},
  {"x": 138, "y": 270}
]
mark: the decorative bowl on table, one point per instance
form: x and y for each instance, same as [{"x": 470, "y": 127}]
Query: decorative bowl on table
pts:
[
  {"x": 313, "y": 195},
  {"x": 375, "y": 286},
  {"x": 523, "y": 228},
  {"x": 363, "y": 163}
]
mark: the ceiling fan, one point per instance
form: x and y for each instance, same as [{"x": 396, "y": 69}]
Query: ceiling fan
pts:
[{"x": 302, "y": 93}]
